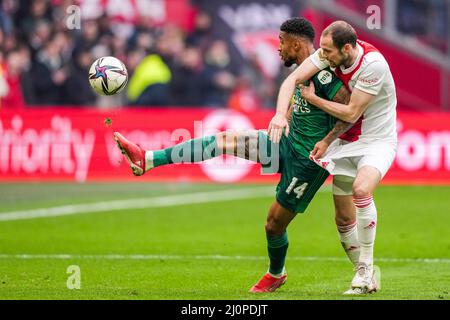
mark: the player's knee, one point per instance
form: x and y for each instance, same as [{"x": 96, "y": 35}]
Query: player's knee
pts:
[
  {"x": 360, "y": 190},
  {"x": 274, "y": 227},
  {"x": 273, "y": 230},
  {"x": 343, "y": 219}
]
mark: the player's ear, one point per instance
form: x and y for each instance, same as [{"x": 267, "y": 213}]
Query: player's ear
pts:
[
  {"x": 347, "y": 48},
  {"x": 297, "y": 44}
]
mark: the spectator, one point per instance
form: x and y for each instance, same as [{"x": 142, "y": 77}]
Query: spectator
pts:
[
  {"x": 134, "y": 57},
  {"x": 428, "y": 21},
  {"x": 90, "y": 35},
  {"x": 49, "y": 75},
  {"x": 39, "y": 36},
  {"x": 170, "y": 44},
  {"x": 26, "y": 81},
  {"x": 78, "y": 91},
  {"x": 145, "y": 41},
  {"x": 29, "y": 15},
  {"x": 149, "y": 84},
  {"x": 201, "y": 35},
  {"x": 244, "y": 98},
  {"x": 264, "y": 87},
  {"x": 13, "y": 98},
  {"x": 3, "y": 84},
  {"x": 6, "y": 22},
  {"x": 189, "y": 87},
  {"x": 119, "y": 47},
  {"x": 218, "y": 69},
  {"x": 412, "y": 18},
  {"x": 65, "y": 46}
]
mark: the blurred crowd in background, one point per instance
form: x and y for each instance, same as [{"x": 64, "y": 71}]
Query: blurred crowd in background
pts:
[
  {"x": 427, "y": 20},
  {"x": 44, "y": 63}
]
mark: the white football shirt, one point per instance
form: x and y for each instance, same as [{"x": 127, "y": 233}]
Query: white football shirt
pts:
[{"x": 369, "y": 73}]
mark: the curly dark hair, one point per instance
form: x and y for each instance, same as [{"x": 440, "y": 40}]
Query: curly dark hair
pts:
[{"x": 300, "y": 27}]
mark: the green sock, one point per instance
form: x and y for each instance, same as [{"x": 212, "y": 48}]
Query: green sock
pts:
[
  {"x": 194, "y": 150},
  {"x": 277, "y": 248}
]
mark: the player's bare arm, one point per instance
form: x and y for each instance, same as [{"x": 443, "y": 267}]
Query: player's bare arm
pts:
[
  {"x": 279, "y": 122},
  {"x": 342, "y": 96},
  {"x": 350, "y": 112},
  {"x": 289, "y": 113}
]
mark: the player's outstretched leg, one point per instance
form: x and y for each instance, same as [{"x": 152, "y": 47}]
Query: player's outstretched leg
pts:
[
  {"x": 277, "y": 245},
  {"x": 141, "y": 161},
  {"x": 240, "y": 144}
]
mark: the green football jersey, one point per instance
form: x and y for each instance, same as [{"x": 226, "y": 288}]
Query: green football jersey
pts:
[{"x": 308, "y": 123}]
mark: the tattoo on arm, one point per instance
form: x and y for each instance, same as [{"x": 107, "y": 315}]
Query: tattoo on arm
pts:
[
  {"x": 339, "y": 128},
  {"x": 342, "y": 96}
]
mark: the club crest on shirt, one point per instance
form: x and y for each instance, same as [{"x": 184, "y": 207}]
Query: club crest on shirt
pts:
[{"x": 324, "y": 77}]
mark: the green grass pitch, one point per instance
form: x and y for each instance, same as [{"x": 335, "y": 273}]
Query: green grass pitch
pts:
[{"x": 212, "y": 249}]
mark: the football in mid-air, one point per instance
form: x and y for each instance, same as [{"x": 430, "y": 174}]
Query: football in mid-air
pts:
[{"x": 108, "y": 76}]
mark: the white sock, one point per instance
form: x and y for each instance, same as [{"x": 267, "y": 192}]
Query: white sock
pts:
[
  {"x": 348, "y": 235},
  {"x": 278, "y": 275},
  {"x": 148, "y": 160},
  {"x": 366, "y": 218}
]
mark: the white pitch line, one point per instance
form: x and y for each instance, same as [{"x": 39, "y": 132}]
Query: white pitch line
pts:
[
  {"x": 141, "y": 203},
  {"x": 202, "y": 257}
]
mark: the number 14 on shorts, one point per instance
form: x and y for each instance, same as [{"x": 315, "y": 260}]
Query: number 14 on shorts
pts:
[{"x": 298, "y": 190}]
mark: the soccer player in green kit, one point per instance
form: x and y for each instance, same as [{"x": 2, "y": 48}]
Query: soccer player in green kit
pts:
[{"x": 300, "y": 177}]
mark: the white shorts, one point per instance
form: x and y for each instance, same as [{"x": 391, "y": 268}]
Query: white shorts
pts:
[{"x": 343, "y": 159}]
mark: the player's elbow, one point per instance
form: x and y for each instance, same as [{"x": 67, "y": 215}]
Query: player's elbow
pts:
[
  {"x": 351, "y": 118},
  {"x": 352, "y": 115}
]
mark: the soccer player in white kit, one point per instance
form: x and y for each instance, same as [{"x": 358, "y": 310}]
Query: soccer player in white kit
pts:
[{"x": 363, "y": 155}]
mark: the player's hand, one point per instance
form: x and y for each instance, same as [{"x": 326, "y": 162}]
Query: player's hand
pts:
[
  {"x": 308, "y": 92},
  {"x": 319, "y": 150},
  {"x": 276, "y": 126}
]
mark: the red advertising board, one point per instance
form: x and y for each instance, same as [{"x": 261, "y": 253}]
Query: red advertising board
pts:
[{"x": 61, "y": 144}]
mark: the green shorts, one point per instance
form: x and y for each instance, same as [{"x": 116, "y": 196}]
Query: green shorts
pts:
[{"x": 300, "y": 177}]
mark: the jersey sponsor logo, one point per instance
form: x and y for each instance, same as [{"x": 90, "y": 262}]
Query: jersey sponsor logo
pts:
[
  {"x": 324, "y": 77},
  {"x": 301, "y": 105},
  {"x": 368, "y": 81},
  {"x": 301, "y": 109}
]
